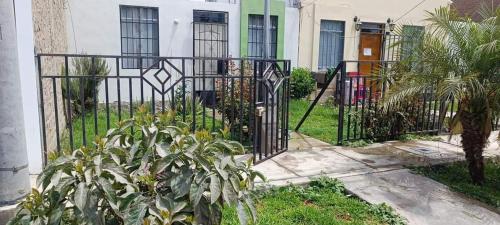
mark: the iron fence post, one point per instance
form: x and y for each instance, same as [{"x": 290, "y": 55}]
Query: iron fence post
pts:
[{"x": 341, "y": 105}]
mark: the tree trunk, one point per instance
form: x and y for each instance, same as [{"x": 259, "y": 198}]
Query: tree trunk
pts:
[{"x": 473, "y": 142}]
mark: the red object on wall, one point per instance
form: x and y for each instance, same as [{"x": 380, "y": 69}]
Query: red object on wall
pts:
[
  {"x": 358, "y": 92},
  {"x": 353, "y": 74}
]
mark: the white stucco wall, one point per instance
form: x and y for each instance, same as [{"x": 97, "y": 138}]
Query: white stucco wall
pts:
[
  {"x": 25, "y": 46},
  {"x": 291, "y": 45},
  {"x": 94, "y": 25}
]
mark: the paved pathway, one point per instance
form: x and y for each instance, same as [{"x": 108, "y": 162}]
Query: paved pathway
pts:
[{"x": 376, "y": 174}]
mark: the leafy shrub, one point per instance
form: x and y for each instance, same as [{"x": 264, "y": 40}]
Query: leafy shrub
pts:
[
  {"x": 382, "y": 126},
  {"x": 301, "y": 83},
  {"x": 358, "y": 143},
  {"x": 328, "y": 183},
  {"x": 312, "y": 192},
  {"x": 162, "y": 174},
  {"x": 83, "y": 66},
  {"x": 387, "y": 214},
  {"x": 237, "y": 94}
]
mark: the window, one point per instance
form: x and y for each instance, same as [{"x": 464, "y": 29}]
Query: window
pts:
[
  {"x": 201, "y": 16},
  {"x": 256, "y": 36},
  {"x": 411, "y": 38},
  {"x": 331, "y": 44},
  {"x": 210, "y": 40},
  {"x": 139, "y": 35},
  {"x": 372, "y": 28},
  {"x": 210, "y": 34}
]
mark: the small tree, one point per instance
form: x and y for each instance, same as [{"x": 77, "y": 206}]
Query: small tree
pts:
[
  {"x": 460, "y": 59},
  {"x": 85, "y": 87}
]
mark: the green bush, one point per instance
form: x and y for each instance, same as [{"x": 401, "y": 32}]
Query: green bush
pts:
[
  {"x": 301, "y": 83},
  {"x": 238, "y": 96},
  {"x": 84, "y": 67},
  {"x": 159, "y": 174}
]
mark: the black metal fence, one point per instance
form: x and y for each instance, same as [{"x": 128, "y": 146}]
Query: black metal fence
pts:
[
  {"x": 360, "y": 87},
  {"x": 85, "y": 95}
]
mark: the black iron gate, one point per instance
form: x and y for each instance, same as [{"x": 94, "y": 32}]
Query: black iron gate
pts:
[{"x": 83, "y": 96}]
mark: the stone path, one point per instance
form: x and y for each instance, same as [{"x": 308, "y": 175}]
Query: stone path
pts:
[{"x": 376, "y": 174}]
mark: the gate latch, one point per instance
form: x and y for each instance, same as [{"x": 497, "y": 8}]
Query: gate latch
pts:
[{"x": 260, "y": 111}]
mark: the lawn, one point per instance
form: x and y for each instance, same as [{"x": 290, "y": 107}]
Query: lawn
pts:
[
  {"x": 321, "y": 124},
  {"x": 323, "y": 202},
  {"x": 456, "y": 176}
]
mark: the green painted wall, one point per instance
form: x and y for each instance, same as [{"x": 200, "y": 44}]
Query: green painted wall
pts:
[{"x": 257, "y": 7}]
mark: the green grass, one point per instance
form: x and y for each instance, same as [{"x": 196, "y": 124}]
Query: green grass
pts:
[
  {"x": 321, "y": 205},
  {"x": 321, "y": 124},
  {"x": 456, "y": 176}
]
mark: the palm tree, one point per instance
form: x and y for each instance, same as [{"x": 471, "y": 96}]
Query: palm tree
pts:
[{"x": 459, "y": 59}]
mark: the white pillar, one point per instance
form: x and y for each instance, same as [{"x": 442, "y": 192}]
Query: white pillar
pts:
[
  {"x": 14, "y": 175},
  {"x": 29, "y": 80}
]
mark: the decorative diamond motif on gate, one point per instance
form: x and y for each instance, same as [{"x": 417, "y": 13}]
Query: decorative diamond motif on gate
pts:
[
  {"x": 273, "y": 77},
  {"x": 162, "y": 75},
  {"x": 166, "y": 75}
]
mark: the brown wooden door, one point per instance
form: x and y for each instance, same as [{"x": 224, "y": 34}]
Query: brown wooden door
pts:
[{"x": 370, "y": 45}]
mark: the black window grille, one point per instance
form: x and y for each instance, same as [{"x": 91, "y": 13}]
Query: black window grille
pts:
[
  {"x": 256, "y": 36},
  {"x": 139, "y": 35},
  {"x": 210, "y": 41},
  {"x": 210, "y": 38},
  {"x": 202, "y": 16}
]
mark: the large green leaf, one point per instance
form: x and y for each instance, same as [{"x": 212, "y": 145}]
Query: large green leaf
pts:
[
  {"x": 165, "y": 203},
  {"x": 229, "y": 194},
  {"x": 109, "y": 192},
  {"x": 215, "y": 188},
  {"x": 196, "y": 191},
  {"x": 242, "y": 213},
  {"x": 81, "y": 196},
  {"x": 163, "y": 163},
  {"x": 55, "y": 215},
  {"x": 181, "y": 183},
  {"x": 118, "y": 173},
  {"x": 136, "y": 213},
  {"x": 127, "y": 199}
]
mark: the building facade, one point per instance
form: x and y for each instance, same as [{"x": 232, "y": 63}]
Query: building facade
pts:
[
  {"x": 336, "y": 30},
  {"x": 180, "y": 28},
  {"x": 316, "y": 34}
]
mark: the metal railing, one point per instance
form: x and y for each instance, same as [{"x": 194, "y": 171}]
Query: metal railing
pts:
[
  {"x": 80, "y": 101},
  {"x": 360, "y": 89}
]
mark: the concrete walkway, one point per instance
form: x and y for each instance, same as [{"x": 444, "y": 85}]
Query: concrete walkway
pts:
[{"x": 376, "y": 174}]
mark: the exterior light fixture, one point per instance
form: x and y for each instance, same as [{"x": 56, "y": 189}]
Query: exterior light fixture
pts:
[
  {"x": 391, "y": 24},
  {"x": 357, "y": 23}
]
